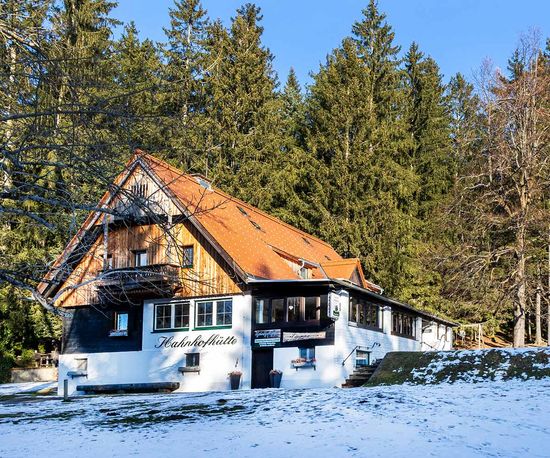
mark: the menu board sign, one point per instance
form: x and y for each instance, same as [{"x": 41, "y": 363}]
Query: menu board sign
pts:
[{"x": 267, "y": 337}]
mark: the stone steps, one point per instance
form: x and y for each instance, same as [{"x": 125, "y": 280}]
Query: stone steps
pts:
[{"x": 360, "y": 376}]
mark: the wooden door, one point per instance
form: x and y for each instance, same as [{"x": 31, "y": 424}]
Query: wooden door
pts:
[{"x": 262, "y": 363}]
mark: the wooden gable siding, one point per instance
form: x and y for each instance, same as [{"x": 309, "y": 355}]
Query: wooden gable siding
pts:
[{"x": 210, "y": 274}]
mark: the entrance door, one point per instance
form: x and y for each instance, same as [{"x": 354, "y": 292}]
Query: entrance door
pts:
[{"x": 262, "y": 363}]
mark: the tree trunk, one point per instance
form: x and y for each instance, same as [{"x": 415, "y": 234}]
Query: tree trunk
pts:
[
  {"x": 538, "y": 321},
  {"x": 520, "y": 300}
]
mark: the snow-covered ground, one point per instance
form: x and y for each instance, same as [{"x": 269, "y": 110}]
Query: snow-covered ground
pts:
[{"x": 504, "y": 419}]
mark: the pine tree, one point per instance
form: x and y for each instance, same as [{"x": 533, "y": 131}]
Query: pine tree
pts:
[
  {"x": 244, "y": 109},
  {"x": 138, "y": 81},
  {"x": 184, "y": 94},
  {"x": 358, "y": 129}
]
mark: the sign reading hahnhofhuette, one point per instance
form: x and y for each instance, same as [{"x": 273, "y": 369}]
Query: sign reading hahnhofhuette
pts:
[
  {"x": 213, "y": 340},
  {"x": 267, "y": 337},
  {"x": 295, "y": 336}
]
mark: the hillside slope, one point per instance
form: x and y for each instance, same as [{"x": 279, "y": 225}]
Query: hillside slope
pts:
[{"x": 462, "y": 365}]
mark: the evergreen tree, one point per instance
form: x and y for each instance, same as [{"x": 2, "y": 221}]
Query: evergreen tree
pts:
[
  {"x": 138, "y": 81},
  {"x": 244, "y": 109},
  {"x": 359, "y": 129},
  {"x": 184, "y": 94}
]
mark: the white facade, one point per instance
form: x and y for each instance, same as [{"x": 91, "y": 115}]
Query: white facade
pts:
[{"x": 223, "y": 350}]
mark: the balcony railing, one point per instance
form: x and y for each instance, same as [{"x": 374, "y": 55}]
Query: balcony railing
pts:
[{"x": 153, "y": 280}]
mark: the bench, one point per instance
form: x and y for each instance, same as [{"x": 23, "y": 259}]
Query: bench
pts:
[{"x": 160, "y": 387}]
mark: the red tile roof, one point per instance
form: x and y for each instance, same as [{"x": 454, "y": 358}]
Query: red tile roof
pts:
[{"x": 251, "y": 238}]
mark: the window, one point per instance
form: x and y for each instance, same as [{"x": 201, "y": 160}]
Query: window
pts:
[
  {"x": 204, "y": 313},
  {"x": 403, "y": 324},
  {"x": 214, "y": 313},
  {"x": 120, "y": 328},
  {"x": 224, "y": 312},
  {"x": 311, "y": 308},
  {"x": 139, "y": 190},
  {"x": 294, "y": 308},
  {"x": 243, "y": 211},
  {"x": 262, "y": 311},
  {"x": 81, "y": 364},
  {"x": 361, "y": 358},
  {"x": 307, "y": 353},
  {"x": 187, "y": 252},
  {"x": 121, "y": 321},
  {"x": 290, "y": 309},
  {"x": 173, "y": 315},
  {"x": 181, "y": 315},
  {"x": 192, "y": 359},
  {"x": 364, "y": 313},
  {"x": 109, "y": 261},
  {"x": 256, "y": 225},
  {"x": 140, "y": 258},
  {"x": 277, "y": 310}
]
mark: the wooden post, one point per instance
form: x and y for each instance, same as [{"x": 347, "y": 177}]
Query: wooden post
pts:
[
  {"x": 479, "y": 332},
  {"x": 65, "y": 390}
]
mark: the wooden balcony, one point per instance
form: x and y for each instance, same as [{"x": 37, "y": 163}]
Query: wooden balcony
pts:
[{"x": 156, "y": 280}]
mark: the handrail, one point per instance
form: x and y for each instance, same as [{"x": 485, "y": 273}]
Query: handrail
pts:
[
  {"x": 368, "y": 349},
  {"x": 351, "y": 353}
]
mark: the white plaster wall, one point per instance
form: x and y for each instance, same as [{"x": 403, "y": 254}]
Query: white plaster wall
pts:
[
  {"x": 347, "y": 336},
  {"x": 327, "y": 373},
  {"x": 430, "y": 341},
  {"x": 161, "y": 364}
]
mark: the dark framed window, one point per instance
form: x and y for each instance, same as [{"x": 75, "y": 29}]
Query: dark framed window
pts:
[
  {"x": 287, "y": 310},
  {"x": 192, "y": 359},
  {"x": 261, "y": 314},
  {"x": 312, "y": 308},
  {"x": 364, "y": 313},
  {"x": 403, "y": 324},
  {"x": 140, "y": 258},
  {"x": 173, "y": 315},
  {"x": 214, "y": 313},
  {"x": 278, "y": 310},
  {"x": 294, "y": 308},
  {"x": 187, "y": 256},
  {"x": 109, "y": 261}
]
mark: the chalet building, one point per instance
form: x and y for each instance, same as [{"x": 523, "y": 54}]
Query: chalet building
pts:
[{"x": 178, "y": 284}]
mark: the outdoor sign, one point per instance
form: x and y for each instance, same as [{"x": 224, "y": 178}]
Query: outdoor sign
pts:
[
  {"x": 334, "y": 305},
  {"x": 297, "y": 336},
  {"x": 213, "y": 340},
  {"x": 267, "y": 337}
]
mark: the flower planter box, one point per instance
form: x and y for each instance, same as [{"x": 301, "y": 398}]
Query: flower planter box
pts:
[
  {"x": 235, "y": 380},
  {"x": 275, "y": 379},
  {"x": 302, "y": 364}
]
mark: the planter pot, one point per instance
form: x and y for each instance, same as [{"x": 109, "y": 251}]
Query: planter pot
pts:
[
  {"x": 235, "y": 380},
  {"x": 275, "y": 380}
]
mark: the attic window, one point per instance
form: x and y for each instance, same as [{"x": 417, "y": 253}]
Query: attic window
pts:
[
  {"x": 256, "y": 225},
  {"x": 306, "y": 241},
  {"x": 243, "y": 211},
  {"x": 139, "y": 190},
  {"x": 204, "y": 183}
]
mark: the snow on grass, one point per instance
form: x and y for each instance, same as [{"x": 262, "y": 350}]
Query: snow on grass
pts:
[
  {"x": 472, "y": 366},
  {"x": 454, "y": 420},
  {"x": 31, "y": 387}
]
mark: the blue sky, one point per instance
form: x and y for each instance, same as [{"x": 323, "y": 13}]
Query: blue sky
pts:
[{"x": 459, "y": 34}]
